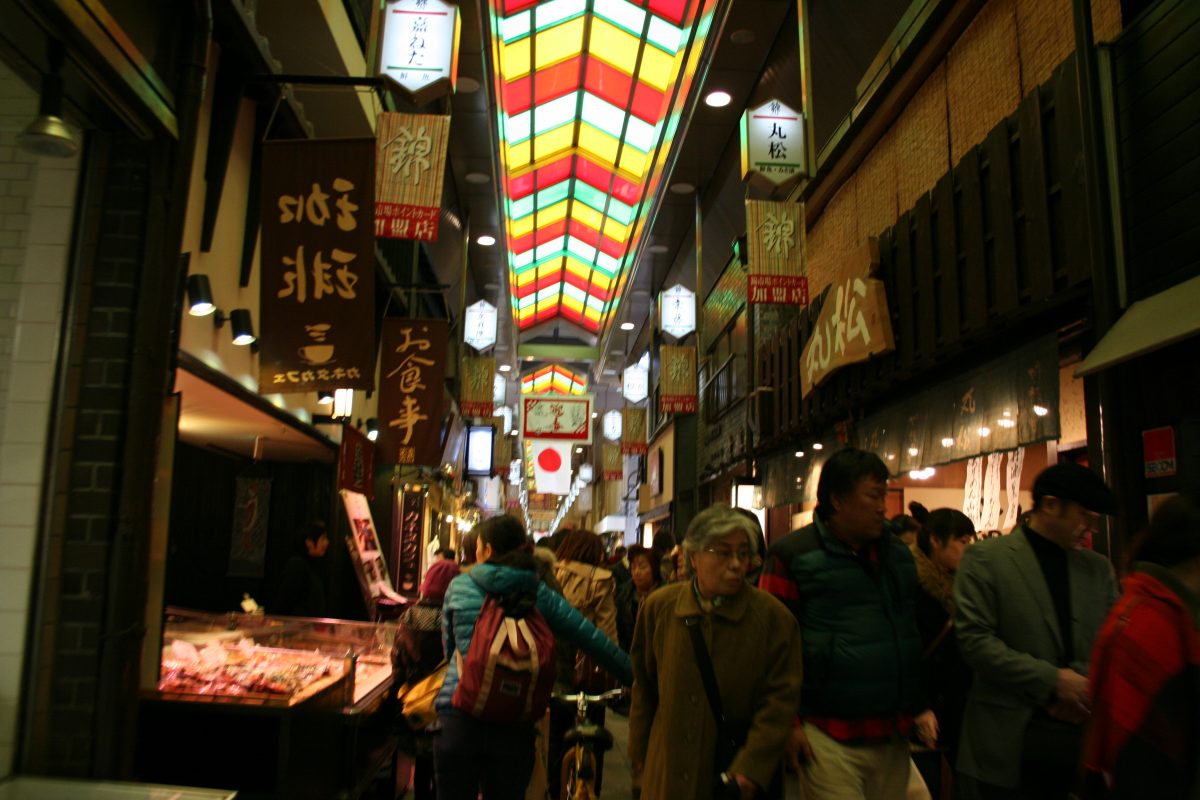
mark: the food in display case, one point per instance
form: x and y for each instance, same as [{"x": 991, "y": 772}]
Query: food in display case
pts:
[{"x": 247, "y": 670}]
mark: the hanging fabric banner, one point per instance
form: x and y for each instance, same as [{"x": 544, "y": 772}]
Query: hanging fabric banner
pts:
[
  {"x": 478, "y": 386},
  {"x": 613, "y": 468},
  {"x": 356, "y": 462},
  {"x": 409, "y": 167},
  {"x": 409, "y": 530},
  {"x": 775, "y": 245},
  {"x": 317, "y": 291},
  {"x": 677, "y": 393},
  {"x": 633, "y": 431},
  {"x": 411, "y": 375},
  {"x": 251, "y": 514}
]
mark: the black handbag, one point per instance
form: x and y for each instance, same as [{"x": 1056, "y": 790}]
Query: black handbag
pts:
[{"x": 731, "y": 736}]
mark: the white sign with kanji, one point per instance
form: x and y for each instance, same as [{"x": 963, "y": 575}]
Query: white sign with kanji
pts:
[
  {"x": 678, "y": 311},
  {"x": 418, "y": 47},
  {"x": 773, "y": 143},
  {"x": 557, "y": 417},
  {"x": 479, "y": 329}
]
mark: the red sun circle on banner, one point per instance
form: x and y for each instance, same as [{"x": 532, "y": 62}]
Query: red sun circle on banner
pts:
[{"x": 549, "y": 460}]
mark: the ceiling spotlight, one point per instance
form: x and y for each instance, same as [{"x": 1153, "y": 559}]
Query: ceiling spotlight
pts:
[
  {"x": 486, "y": 240},
  {"x": 948, "y": 441},
  {"x": 912, "y": 451},
  {"x": 240, "y": 325},
  {"x": 595, "y": 414},
  {"x": 325, "y": 398},
  {"x": 478, "y": 178},
  {"x": 200, "y": 300},
  {"x": 818, "y": 446},
  {"x": 372, "y": 429},
  {"x": 683, "y": 187},
  {"x": 799, "y": 454},
  {"x": 504, "y": 367},
  {"x": 740, "y": 36},
  {"x": 891, "y": 456},
  {"x": 513, "y": 432},
  {"x": 1040, "y": 410},
  {"x": 1005, "y": 422},
  {"x": 718, "y": 99},
  {"x": 467, "y": 85},
  {"x": 578, "y": 449},
  {"x": 626, "y": 326}
]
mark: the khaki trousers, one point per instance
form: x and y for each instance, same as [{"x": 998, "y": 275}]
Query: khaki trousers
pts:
[{"x": 855, "y": 772}]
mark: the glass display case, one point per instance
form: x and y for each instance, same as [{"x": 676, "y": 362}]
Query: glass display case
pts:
[{"x": 255, "y": 659}]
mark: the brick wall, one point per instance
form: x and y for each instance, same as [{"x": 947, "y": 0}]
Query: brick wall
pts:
[
  {"x": 36, "y": 207},
  {"x": 1011, "y": 47}
]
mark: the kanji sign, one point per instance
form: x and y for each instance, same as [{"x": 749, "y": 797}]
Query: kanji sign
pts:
[
  {"x": 479, "y": 327},
  {"x": 788, "y": 290},
  {"x": 633, "y": 431},
  {"x": 418, "y": 47},
  {"x": 356, "y": 462},
  {"x": 853, "y": 325},
  {"x": 773, "y": 143},
  {"x": 477, "y": 386},
  {"x": 317, "y": 285},
  {"x": 635, "y": 382},
  {"x": 557, "y": 417},
  {"x": 677, "y": 311},
  {"x": 410, "y": 163},
  {"x": 677, "y": 383},
  {"x": 775, "y": 244},
  {"x": 412, "y": 375},
  {"x": 613, "y": 468},
  {"x": 610, "y": 425},
  {"x": 408, "y": 534}
]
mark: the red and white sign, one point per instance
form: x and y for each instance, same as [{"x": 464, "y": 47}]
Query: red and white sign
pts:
[
  {"x": 552, "y": 466},
  {"x": 790, "y": 290},
  {"x": 557, "y": 417},
  {"x": 1158, "y": 451}
]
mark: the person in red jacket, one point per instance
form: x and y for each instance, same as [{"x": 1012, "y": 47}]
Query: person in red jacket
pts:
[{"x": 1145, "y": 734}]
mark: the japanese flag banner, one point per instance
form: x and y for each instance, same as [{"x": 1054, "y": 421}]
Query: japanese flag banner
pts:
[{"x": 552, "y": 466}]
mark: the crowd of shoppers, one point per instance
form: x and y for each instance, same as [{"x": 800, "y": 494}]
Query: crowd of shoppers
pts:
[{"x": 850, "y": 644}]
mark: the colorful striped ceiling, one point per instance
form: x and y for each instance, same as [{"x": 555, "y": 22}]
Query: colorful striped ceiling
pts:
[
  {"x": 590, "y": 94},
  {"x": 553, "y": 379}
]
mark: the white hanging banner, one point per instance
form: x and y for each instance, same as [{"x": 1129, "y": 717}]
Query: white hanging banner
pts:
[
  {"x": 1016, "y": 460},
  {"x": 973, "y": 492},
  {"x": 989, "y": 514}
]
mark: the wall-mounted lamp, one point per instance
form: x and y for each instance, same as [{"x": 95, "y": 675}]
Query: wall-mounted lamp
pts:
[
  {"x": 240, "y": 326},
  {"x": 48, "y": 135},
  {"x": 200, "y": 299},
  {"x": 372, "y": 429}
]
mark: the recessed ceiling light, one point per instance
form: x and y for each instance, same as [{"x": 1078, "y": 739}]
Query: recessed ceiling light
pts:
[
  {"x": 478, "y": 177},
  {"x": 657, "y": 248},
  {"x": 682, "y": 187},
  {"x": 466, "y": 85},
  {"x": 595, "y": 414},
  {"x": 799, "y": 454},
  {"x": 626, "y": 326},
  {"x": 718, "y": 99},
  {"x": 740, "y": 36},
  {"x": 578, "y": 449},
  {"x": 818, "y": 446},
  {"x": 505, "y": 367},
  {"x": 529, "y": 358},
  {"x": 487, "y": 240}
]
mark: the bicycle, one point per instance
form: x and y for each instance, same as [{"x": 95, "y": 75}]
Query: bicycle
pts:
[{"x": 579, "y": 763}]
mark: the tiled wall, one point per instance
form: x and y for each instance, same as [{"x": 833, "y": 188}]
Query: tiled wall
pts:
[{"x": 36, "y": 208}]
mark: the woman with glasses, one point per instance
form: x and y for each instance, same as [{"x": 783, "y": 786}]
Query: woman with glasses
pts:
[{"x": 745, "y": 642}]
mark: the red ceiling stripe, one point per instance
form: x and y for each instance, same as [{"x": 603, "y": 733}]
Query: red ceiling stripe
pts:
[
  {"x": 608, "y": 83},
  {"x": 554, "y": 172},
  {"x": 546, "y": 233},
  {"x": 516, "y": 95},
  {"x": 555, "y": 81},
  {"x": 648, "y": 103},
  {"x": 511, "y": 7},
  {"x": 670, "y": 9}
]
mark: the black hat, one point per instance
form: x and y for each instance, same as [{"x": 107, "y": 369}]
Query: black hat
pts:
[{"x": 1068, "y": 481}]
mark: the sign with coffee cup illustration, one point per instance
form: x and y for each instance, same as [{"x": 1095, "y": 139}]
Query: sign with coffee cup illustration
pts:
[{"x": 317, "y": 287}]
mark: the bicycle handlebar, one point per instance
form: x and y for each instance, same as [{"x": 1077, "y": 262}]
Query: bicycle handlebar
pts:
[{"x": 612, "y": 694}]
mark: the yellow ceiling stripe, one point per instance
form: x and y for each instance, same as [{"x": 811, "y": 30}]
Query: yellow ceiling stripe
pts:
[{"x": 558, "y": 43}]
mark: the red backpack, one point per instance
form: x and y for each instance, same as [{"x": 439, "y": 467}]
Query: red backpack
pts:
[{"x": 508, "y": 673}]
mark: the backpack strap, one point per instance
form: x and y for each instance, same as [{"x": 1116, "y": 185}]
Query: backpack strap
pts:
[{"x": 707, "y": 676}]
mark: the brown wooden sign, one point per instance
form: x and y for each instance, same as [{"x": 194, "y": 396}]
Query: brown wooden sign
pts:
[
  {"x": 356, "y": 462},
  {"x": 613, "y": 468},
  {"x": 633, "y": 431},
  {"x": 412, "y": 375},
  {"x": 317, "y": 291},
  {"x": 677, "y": 387},
  {"x": 478, "y": 386},
  {"x": 409, "y": 170},
  {"x": 775, "y": 245},
  {"x": 854, "y": 323}
]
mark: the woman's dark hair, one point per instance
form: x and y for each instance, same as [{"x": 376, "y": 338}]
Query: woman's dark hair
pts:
[
  {"x": 466, "y": 548},
  {"x": 664, "y": 543},
  {"x": 842, "y": 473},
  {"x": 903, "y": 523},
  {"x": 506, "y": 536},
  {"x": 1174, "y": 534},
  {"x": 652, "y": 558},
  {"x": 582, "y": 546},
  {"x": 943, "y": 524}
]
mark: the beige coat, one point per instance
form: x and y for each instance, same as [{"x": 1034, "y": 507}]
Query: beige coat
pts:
[
  {"x": 591, "y": 590},
  {"x": 755, "y": 646}
]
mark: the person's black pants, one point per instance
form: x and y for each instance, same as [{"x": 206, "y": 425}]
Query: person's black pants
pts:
[
  {"x": 562, "y": 719},
  {"x": 473, "y": 756}
]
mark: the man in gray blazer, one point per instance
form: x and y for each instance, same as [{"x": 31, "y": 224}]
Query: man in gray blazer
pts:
[{"x": 1027, "y": 608}]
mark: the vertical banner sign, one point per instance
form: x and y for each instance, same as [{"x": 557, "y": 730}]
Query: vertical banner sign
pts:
[
  {"x": 1158, "y": 452},
  {"x": 418, "y": 47},
  {"x": 478, "y": 386},
  {"x": 773, "y": 144},
  {"x": 410, "y": 526},
  {"x": 613, "y": 469},
  {"x": 317, "y": 292},
  {"x": 633, "y": 431},
  {"x": 412, "y": 374},
  {"x": 677, "y": 393},
  {"x": 775, "y": 240},
  {"x": 410, "y": 162},
  {"x": 366, "y": 554},
  {"x": 251, "y": 513},
  {"x": 356, "y": 462}
]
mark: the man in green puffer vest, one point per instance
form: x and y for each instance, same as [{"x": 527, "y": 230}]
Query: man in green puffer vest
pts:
[{"x": 852, "y": 585}]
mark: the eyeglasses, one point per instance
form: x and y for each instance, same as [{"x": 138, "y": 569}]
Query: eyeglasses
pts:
[{"x": 726, "y": 555}]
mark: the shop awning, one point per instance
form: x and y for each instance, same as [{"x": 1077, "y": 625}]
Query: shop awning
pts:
[{"x": 1147, "y": 325}]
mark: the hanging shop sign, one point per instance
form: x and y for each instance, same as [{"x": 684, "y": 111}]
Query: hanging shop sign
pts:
[
  {"x": 410, "y": 161},
  {"x": 317, "y": 288},
  {"x": 773, "y": 143},
  {"x": 366, "y": 554},
  {"x": 557, "y": 417},
  {"x": 417, "y": 46},
  {"x": 775, "y": 245},
  {"x": 499, "y": 390},
  {"x": 356, "y": 462},
  {"x": 1158, "y": 452},
  {"x": 677, "y": 387},
  {"x": 853, "y": 325},
  {"x": 677, "y": 311},
  {"x": 633, "y": 431},
  {"x": 613, "y": 468},
  {"x": 478, "y": 387},
  {"x": 610, "y": 425},
  {"x": 479, "y": 326},
  {"x": 412, "y": 373},
  {"x": 635, "y": 382},
  {"x": 408, "y": 534},
  {"x": 251, "y": 514}
]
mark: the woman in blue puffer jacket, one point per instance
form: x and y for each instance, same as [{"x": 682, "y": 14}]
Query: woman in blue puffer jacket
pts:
[{"x": 472, "y": 755}]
